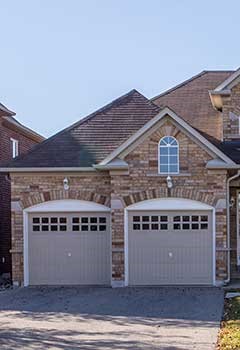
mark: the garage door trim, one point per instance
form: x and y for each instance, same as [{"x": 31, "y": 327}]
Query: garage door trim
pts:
[
  {"x": 64, "y": 205},
  {"x": 170, "y": 204}
]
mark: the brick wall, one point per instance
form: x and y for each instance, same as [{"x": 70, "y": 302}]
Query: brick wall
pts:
[
  {"x": 120, "y": 189},
  {"x": 231, "y": 114},
  {"x": 5, "y": 192}
]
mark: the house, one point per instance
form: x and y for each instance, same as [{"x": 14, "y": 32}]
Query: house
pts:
[
  {"x": 141, "y": 192},
  {"x": 15, "y": 139}
]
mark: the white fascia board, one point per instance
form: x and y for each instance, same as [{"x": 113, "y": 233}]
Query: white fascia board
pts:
[
  {"x": 167, "y": 112},
  {"x": 116, "y": 164},
  {"x": 44, "y": 170},
  {"x": 226, "y": 83}
]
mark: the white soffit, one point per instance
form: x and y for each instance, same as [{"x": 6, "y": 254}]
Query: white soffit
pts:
[
  {"x": 67, "y": 205},
  {"x": 169, "y": 204}
]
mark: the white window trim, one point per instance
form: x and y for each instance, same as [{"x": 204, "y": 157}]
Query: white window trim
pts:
[
  {"x": 167, "y": 173},
  {"x": 15, "y": 150}
]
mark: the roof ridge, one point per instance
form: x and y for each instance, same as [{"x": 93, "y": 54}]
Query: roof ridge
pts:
[{"x": 188, "y": 81}]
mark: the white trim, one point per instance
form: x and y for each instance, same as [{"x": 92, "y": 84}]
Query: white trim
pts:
[
  {"x": 15, "y": 148},
  {"x": 175, "y": 204},
  {"x": 167, "y": 173},
  {"x": 225, "y": 84},
  {"x": 166, "y": 112},
  {"x": 237, "y": 233},
  {"x": 65, "y": 205}
]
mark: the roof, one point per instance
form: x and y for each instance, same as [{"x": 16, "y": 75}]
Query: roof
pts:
[
  {"x": 5, "y": 111},
  {"x": 14, "y": 124},
  {"x": 191, "y": 101},
  {"x": 91, "y": 139},
  {"x": 230, "y": 148},
  {"x": 94, "y": 138}
]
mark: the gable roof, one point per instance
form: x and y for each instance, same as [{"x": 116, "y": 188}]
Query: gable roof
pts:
[
  {"x": 191, "y": 101},
  {"x": 91, "y": 139},
  {"x": 211, "y": 147}
]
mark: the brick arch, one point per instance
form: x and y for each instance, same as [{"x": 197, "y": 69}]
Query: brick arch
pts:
[
  {"x": 41, "y": 197},
  {"x": 163, "y": 192}
]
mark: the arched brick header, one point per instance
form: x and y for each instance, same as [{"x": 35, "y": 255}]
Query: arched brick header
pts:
[
  {"x": 41, "y": 197},
  {"x": 163, "y": 192}
]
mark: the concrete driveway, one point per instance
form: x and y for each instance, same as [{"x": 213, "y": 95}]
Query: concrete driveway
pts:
[{"x": 104, "y": 318}]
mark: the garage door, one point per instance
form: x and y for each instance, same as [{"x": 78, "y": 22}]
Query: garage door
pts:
[
  {"x": 69, "y": 248},
  {"x": 170, "y": 248}
]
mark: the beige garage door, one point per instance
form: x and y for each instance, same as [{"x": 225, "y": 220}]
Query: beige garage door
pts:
[
  {"x": 69, "y": 248},
  {"x": 170, "y": 248}
]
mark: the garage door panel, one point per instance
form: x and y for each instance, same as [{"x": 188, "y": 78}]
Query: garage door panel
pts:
[
  {"x": 72, "y": 256},
  {"x": 180, "y": 252}
]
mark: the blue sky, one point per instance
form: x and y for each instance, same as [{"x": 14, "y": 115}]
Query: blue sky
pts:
[{"x": 62, "y": 59}]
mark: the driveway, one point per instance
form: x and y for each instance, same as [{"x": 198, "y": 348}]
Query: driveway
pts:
[{"x": 104, "y": 318}]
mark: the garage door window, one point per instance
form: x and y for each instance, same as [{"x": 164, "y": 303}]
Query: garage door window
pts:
[
  {"x": 91, "y": 224},
  {"x": 150, "y": 222},
  {"x": 190, "y": 222},
  {"x": 45, "y": 224}
]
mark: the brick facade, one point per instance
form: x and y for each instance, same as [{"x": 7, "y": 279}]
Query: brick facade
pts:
[
  {"x": 25, "y": 144},
  {"x": 118, "y": 189},
  {"x": 231, "y": 114}
]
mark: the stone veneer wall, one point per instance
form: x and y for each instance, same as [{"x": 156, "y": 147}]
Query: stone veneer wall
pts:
[{"x": 120, "y": 189}]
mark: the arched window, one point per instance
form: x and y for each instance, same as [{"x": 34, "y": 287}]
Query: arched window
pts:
[{"x": 168, "y": 156}]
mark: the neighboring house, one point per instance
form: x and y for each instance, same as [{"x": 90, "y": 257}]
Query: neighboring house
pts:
[
  {"x": 15, "y": 139},
  {"x": 141, "y": 192}
]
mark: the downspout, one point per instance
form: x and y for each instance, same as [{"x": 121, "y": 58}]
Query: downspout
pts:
[{"x": 228, "y": 227}]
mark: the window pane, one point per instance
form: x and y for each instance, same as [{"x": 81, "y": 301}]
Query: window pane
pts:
[
  {"x": 93, "y": 220},
  {"x": 186, "y": 218},
  {"x": 54, "y": 220},
  {"x": 36, "y": 220},
  {"x": 164, "y": 218},
  {"x": 36, "y": 228},
  {"x": 44, "y": 227},
  {"x": 186, "y": 226},
  {"x": 195, "y": 218},
  {"x": 176, "y": 226},
  {"x": 145, "y": 218},
  {"x": 154, "y": 226},
  {"x": 93, "y": 228},
  {"x": 176, "y": 218},
  {"x": 164, "y": 226},
  {"x": 163, "y": 150},
  {"x": 154, "y": 218},
  {"x": 163, "y": 168},
  {"x": 75, "y": 220},
  {"x": 136, "y": 226},
  {"x": 204, "y": 218},
  {"x": 145, "y": 226},
  {"x": 204, "y": 226},
  {"x": 75, "y": 228},
  {"x": 102, "y": 220},
  {"x": 173, "y": 159},
  {"x": 173, "y": 168},
  {"x": 84, "y": 220},
  {"x": 63, "y": 228},
  {"x": 44, "y": 220},
  {"x": 173, "y": 141},
  {"x": 102, "y": 228},
  {"x": 54, "y": 228},
  {"x": 163, "y": 159},
  {"x": 85, "y": 228},
  {"x": 195, "y": 226},
  {"x": 63, "y": 220},
  {"x": 136, "y": 218},
  {"x": 173, "y": 150}
]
